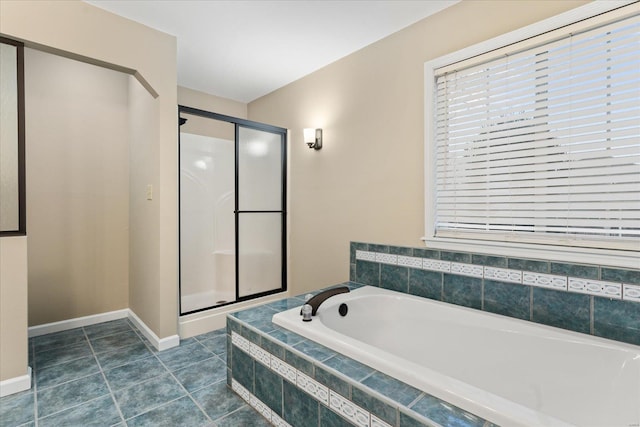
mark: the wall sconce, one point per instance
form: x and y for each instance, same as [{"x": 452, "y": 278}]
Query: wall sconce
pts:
[{"x": 313, "y": 138}]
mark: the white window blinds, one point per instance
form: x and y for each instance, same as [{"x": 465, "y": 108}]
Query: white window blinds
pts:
[{"x": 542, "y": 145}]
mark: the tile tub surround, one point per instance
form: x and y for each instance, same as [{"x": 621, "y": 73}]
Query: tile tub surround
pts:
[
  {"x": 108, "y": 374},
  {"x": 293, "y": 381},
  {"x": 592, "y": 299}
]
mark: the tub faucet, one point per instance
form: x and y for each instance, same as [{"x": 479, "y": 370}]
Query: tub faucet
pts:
[{"x": 315, "y": 301}]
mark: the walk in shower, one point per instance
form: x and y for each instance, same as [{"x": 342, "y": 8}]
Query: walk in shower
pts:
[{"x": 232, "y": 209}]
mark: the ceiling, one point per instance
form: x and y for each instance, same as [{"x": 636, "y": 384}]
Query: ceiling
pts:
[{"x": 243, "y": 50}]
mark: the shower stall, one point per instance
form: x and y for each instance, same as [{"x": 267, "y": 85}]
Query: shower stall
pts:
[{"x": 232, "y": 183}]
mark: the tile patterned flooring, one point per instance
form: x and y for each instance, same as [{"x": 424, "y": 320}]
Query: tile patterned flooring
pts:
[{"x": 109, "y": 375}]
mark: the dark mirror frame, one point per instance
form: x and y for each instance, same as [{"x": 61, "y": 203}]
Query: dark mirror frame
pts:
[{"x": 22, "y": 199}]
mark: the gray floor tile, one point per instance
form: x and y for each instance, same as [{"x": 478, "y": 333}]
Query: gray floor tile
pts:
[
  {"x": 63, "y": 372},
  {"x": 56, "y": 355},
  {"x": 212, "y": 334},
  {"x": 108, "y": 328},
  {"x": 243, "y": 417},
  {"x": 59, "y": 339},
  {"x": 217, "y": 400},
  {"x": 72, "y": 393},
  {"x": 134, "y": 373},
  {"x": 17, "y": 409},
  {"x": 198, "y": 375},
  {"x": 180, "y": 357},
  {"x": 142, "y": 397},
  {"x": 98, "y": 412},
  {"x": 179, "y": 413},
  {"x": 218, "y": 344},
  {"x": 114, "y": 341},
  {"x": 131, "y": 353}
]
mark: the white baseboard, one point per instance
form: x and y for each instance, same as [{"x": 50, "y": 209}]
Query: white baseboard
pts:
[
  {"x": 78, "y": 322},
  {"x": 159, "y": 343},
  {"x": 16, "y": 385},
  {"x": 64, "y": 325}
]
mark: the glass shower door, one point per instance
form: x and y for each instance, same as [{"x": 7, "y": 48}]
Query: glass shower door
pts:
[{"x": 260, "y": 212}]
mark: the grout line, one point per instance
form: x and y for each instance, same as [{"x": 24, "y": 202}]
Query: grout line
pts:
[
  {"x": 102, "y": 371},
  {"x": 531, "y": 304},
  {"x": 414, "y": 401},
  {"x": 209, "y": 385},
  {"x": 236, "y": 410},
  {"x": 592, "y": 315},
  {"x": 182, "y": 386},
  {"x": 154, "y": 408},
  {"x": 73, "y": 407},
  {"x": 104, "y": 377},
  {"x": 71, "y": 380}
]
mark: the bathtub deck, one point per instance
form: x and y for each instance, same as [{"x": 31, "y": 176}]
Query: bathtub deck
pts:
[{"x": 292, "y": 380}]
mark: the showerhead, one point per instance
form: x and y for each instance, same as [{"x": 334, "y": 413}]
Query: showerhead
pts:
[{"x": 182, "y": 120}]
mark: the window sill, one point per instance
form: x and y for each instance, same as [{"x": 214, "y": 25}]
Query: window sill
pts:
[{"x": 613, "y": 258}]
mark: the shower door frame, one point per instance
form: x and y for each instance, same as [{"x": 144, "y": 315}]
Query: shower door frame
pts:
[{"x": 238, "y": 123}]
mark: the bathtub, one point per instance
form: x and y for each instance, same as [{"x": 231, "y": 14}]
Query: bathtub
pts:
[{"x": 508, "y": 371}]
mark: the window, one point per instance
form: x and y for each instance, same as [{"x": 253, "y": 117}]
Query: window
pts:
[
  {"x": 13, "y": 216},
  {"x": 539, "y": 142}
]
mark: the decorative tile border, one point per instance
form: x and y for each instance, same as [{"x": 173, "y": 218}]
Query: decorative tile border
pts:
[
  {"x": 283, "y": 369},
  {"x": 436, "y": 265},
  {"x": 595, "y": 287},
  {"x": 600, "y": 288},
  {"x": 258, "y": 405},
  {"x": 386, "y": 258},
  {"x": 328, "y": 397},
  {"x": 312, "y": 387},
  {"x": 409, "y": 261},
  {"x": 541, "y": 280},
  {"x": 503, "y": 274},
  {"x": 631, "y": 292},
  {"x": 260, "y": 355},
  {"x": 366, "y": 256},
  {"x": 471, "y": 270},
  {"x": 352, "y": 412}
]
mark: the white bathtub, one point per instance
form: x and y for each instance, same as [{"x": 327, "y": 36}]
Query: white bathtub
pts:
[{"x": 508, "y": 371}]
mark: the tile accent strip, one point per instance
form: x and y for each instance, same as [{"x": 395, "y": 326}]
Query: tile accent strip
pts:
[
  {"x": 321, "y": 393},
  {"x": 542, "y": 280},
  {"x": 503, "y": 274},
  {"x": 595, "y": 287},
  {"x": 258, "y": 405},
  {"x": 313, "y": 387},
  {"x": 631, "y": 292},
  {"x": 352, "y": 412}
]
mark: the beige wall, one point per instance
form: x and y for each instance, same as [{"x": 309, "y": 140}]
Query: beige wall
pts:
[
  {"x": 203, "y": 126},
  {"x": 77, "y": 29},
  {"x": 77, "y": 197},
  {"x": 13, "y": 303},
  {"x": 366, "y": 184},
  {"x": 215, "y": 104},
  {"x": 144, "y": 218}
]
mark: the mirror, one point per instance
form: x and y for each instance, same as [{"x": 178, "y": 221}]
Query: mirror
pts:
[{"x": 12, "y": 154}]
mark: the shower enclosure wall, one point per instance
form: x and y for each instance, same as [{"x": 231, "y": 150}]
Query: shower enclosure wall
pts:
[{"x": 232, "y": 209}]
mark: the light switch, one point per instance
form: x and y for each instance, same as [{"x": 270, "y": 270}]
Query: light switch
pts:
[{"x": 149, "y": 192}]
